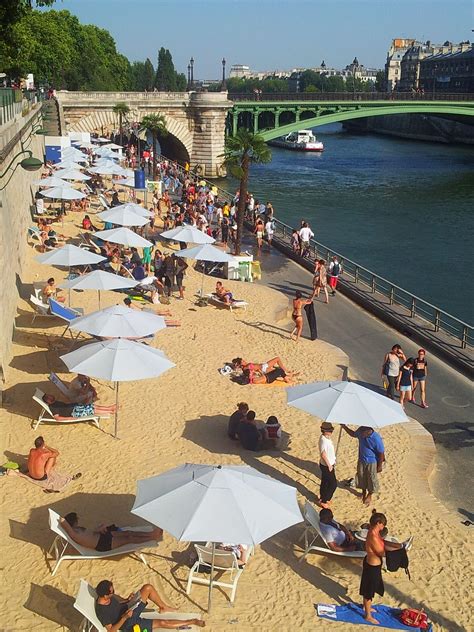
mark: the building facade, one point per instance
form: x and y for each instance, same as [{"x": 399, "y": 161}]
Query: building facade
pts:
[
  {"x": 450, "y": 72},
  {"x": 397, "y": 50}
]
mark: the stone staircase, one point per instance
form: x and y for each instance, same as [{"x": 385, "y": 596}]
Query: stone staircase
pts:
[{"x": 51, "y": 120}]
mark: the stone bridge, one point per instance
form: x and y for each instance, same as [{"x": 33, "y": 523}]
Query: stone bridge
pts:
[{"x": 196, "y": 121}]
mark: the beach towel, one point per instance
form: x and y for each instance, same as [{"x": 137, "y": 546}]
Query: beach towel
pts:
[
  {"x": 354, "y": 613},
  {"x": 56, "y": 482}
]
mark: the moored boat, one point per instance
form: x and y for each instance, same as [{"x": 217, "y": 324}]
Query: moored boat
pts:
[{"x": 302, "y": 140}]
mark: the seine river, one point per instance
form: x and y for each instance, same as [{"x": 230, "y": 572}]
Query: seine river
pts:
[{"x": 403, "y": 209}]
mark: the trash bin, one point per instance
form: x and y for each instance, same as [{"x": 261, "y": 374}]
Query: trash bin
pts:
[{"x": 139, "y": 179}]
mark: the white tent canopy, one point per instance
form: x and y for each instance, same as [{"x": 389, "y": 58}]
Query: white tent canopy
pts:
[
  {"x": 123, "y": 236},
  {"x": 205, "y": 252},
  {"x": 109, "y": 170},
  {"x": 72, "y": 174},
  {"x": 51, "y": 181},
  {"x": 122, "y": 218},
  {"x": 131, "y": 207},
  {"x": 65, "y": 192},
  {"x": 99, "y": 280}
]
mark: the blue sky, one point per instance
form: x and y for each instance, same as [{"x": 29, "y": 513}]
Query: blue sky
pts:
[{"x": 269, "y": 34}]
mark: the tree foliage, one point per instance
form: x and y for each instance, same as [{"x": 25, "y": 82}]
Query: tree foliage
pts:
[
  {"x": 156, "y": 125},
  {"x": 240, "y": 152},
  {"x": 165, "y": 80}
]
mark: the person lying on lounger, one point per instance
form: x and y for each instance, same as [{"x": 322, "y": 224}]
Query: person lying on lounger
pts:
[
  {"x": 105, "y": 537},
  {"x": 123, "y": 613},
  {"x": 64, "y": 410},
  {"x": 240, "y": 550},
  {"x": 223, "y": 294},
  {"x": 337, "y": 537}
]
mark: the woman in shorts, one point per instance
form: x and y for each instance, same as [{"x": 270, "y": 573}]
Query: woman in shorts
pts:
[{"x": 405, "y": 381}]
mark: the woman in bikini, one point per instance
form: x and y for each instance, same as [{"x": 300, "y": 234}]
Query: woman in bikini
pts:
[
  {"x": 257, "y": 372},
  {"x": 298, "y": 303},
  {"x": 259, "y": 228}
]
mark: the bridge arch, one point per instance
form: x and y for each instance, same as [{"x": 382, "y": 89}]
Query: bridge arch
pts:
[
  {"x": 177, "y": 144},
  {"x": 345, "y": 115}
]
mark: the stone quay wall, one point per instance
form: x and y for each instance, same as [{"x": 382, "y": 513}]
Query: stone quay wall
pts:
[{"x": 15, "y": 217}]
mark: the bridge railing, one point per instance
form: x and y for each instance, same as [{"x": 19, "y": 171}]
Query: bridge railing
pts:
[
  {"x": 439, "y": 319},
  {"x": 350, "y": 96}
]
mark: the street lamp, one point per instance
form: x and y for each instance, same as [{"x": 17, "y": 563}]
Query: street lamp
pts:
[
  {"x": 189, "y": 77},
  {"x": 223, "y": 86},
  {"x": 355, "y": 64},
  {"x": 191, "y": 63}
]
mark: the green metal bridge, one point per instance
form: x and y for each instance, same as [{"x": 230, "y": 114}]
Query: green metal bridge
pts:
[{"x": 274, "y": 115}]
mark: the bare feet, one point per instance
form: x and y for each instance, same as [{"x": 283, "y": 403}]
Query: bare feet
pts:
[
  {"x": 371, "y": 619},
  {"x": 199, "y": 622},
  {"x": 156, "y": 534},
  {"x": 368, "y": 500}
]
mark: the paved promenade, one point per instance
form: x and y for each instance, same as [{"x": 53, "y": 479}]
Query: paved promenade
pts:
[{"x": 365, "y": 339}]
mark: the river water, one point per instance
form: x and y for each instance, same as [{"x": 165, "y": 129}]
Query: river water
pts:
[{"x": 403, "y": 209}]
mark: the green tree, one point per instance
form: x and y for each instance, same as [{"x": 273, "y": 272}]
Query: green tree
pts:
[
  {"x": 380, "y": 84},
  {"x": 241, "y": 151},
  {"x": 121, "y": 109},
  {"x": 181, "y": 82},
  {"x": 165, "y": 80},
  {"x": 148, "y": 75},
  {"x": 137, "y": 76},
  {"x": 156, "y": 125}
]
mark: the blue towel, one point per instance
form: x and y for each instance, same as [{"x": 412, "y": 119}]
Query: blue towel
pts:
[{"x": 386, "y": 616}]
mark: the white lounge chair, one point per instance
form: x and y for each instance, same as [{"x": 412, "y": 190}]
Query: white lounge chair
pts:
[
  {"x": 234, "y": 304},
  {"x": 85, "y": 604},
  {"x": 39, "y": 308},
  {"x": 313, "y": 532},
  {"x": 47, "y": 416},
  {"x": 62, "y": 540},
  {"x": 224, "y": 562}
]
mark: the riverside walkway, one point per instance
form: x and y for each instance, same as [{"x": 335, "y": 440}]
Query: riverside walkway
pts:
[{"x": 366, "y": 339}]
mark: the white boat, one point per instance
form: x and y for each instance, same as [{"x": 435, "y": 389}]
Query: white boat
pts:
[{"x": 302, "y": 140}]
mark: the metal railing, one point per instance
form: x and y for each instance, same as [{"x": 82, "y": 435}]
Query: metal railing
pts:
[
  {"x": 10, "y": 104},
  {"x": 350, "y": 96},
  {"x": 416, "y": 306}
]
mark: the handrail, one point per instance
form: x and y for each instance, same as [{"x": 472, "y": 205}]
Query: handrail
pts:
[
  {"x": 349, "y": 96},
  {"x": 440, "y": 319}
]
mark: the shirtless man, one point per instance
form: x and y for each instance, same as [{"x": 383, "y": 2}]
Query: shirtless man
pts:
[
  {"x": 263, "y": 368},
  {"x": 41, "y": 460},
  {"x": 223, "y": 294},
  {"x": 105, "y": 538},
  {"x": 371, "y": 581}
]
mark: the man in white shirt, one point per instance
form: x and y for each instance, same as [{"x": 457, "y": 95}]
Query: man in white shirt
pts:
[
  {"x": 269, "y": 231},
  {"x": 337, "y": 537},
  {"x": 305, "y": 235},
  {"x": 327, "y": 463}
]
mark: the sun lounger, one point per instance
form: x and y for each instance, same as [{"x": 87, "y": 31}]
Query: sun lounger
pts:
[
  {"x": 39, "y": 308},
  {"x": 34, "y": 234},
  {"x": 67, "y": 314},
  {"x": 224, "y": 562},
  {"x": 312, "y": 533},
  {"x": 234, "y": 304},
  {"x": 46, "y": 415},
  {"x": 52, "y": 377},
  {"x": 62, "y": 540},
  {"x": 85, "y": 604}
]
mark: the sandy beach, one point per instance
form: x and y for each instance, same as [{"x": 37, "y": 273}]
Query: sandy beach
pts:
[{"x": 182, "y": 417}]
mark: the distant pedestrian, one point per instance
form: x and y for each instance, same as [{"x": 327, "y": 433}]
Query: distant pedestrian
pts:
[
  {"x": 298, "y": 303},
  {"x": 391, "y": 368},
  {"x": 334, "y": 270},
  {"x": 420, "y": 372},
  {"x": 405, "y": 381},
  {"x": 370, "y": 460},
  {"x": 305, "y": 235},
  {"x": 269, "y": 230},
  {"x": 327, "y": 463},
  {"x": 295, "y": 241},
  {"x": 320, "y": 280},
  {"x": 259, "y": 228}
]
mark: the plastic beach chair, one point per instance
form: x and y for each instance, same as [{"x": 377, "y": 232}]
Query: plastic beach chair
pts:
[
  {"x": 85, "y": 604},
  {"x": 224, "y": 562},
  {"x": 313, "y": 532},
  {"x": 47, "y": 416},
  {"x": 62, "y": 541},
  {"x": 67, "y": 314},
  {"x": 40, "y": 308}
]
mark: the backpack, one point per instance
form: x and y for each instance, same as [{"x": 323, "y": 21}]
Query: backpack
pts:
[
  {"x": 336, "y": 269},
  {"x": 397, "y": 559}
]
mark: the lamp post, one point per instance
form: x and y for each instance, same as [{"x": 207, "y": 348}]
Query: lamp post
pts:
[
  {"x": 355, "y": 64},
  {"x": 191, "y": 63},
  {"x": 223, "y": 86},
  {"x": 189, "y": 77}
]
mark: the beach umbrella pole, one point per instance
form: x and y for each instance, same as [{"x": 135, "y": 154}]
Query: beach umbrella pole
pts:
[
  {"x": 116, "y": 409},
  {"x": 209, "y": 599}
]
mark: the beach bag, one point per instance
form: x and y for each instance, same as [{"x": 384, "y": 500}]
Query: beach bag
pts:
[
  {"x": 414, "y": 618},
  {"x": 397, "y": 559}
]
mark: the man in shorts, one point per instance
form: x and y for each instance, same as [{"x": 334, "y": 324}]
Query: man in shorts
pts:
[
  {"x": 370, "y": 461},
  {"x": 41, "y": 460},
  {"x": 120, "y": 613}
]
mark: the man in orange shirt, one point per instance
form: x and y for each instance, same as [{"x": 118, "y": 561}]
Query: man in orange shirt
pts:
[{"x": 41, "y": 460}]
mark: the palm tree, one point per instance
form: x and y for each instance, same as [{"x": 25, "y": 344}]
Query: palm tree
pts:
[
  {"x": 156, "y": 125},
  {"x": 121, "y": 109},
  {"x": 240, "y": 152}
]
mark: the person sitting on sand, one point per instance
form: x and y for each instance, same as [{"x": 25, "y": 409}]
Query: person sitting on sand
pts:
[
  {"x": 118, "y": 613},
  {"x": 273, "y": 432},
  {"x": 223, "y": 294},
  {"x": 63, "y": 410},
  {"x": 41, "y": 460},
  {"x": 250, "y": 436},
  {"x": 235, "y": 419},
  {"x": 337, "y": 537},
  {"x": 105, "y": 537},
  {"x": 240, "y": 550}
]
